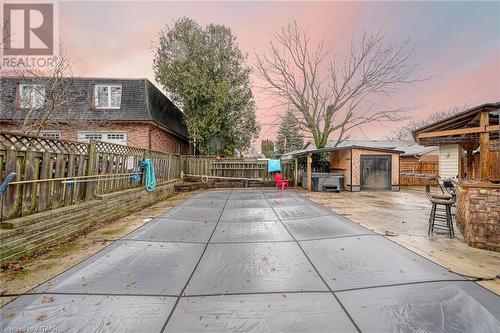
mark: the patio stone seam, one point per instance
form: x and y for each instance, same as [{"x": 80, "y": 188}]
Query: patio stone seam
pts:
[
  {"x": 320, "y": 276},
  {"x": 401, "y": 284},
  {"x": 336, "y": 237},
  {"x": 86, "y": 294},
  {"x": 158, "y": 241},
  {"x": 182, "y": 220},
  {"x": 258, "y": 293},
  {"x": 300, "y": 217},
  {"x": 255, "y": 242},
  {"x": 195, "y": 267},
  {"x": 292, "y": 241}
]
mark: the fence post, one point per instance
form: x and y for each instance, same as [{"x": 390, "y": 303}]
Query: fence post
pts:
[
  {"x": 182, "y": 166},
  {"x": 169, "y": 165},
  {"x": 89, "y": 193},
  {"x": 143, "y": 178}
]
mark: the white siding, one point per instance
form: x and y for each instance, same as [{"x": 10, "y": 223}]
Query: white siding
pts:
[{"x": 449, "y": 160}]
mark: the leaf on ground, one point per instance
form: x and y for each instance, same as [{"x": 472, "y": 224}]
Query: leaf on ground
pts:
[
  {"x": 47, "y": 299},
  {"x": 41, "y": 317},
  {"x": 9, "y": 315}
]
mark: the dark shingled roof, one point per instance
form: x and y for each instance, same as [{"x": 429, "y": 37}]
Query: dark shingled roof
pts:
[{"x": 141, "y": 102}]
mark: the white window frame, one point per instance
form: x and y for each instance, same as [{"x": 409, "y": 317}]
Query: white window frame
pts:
[
  {"x": 51, "y": 134},
  {"x": 82, "y": 136},
  {"x": 108, "y": 106},
  {"x": 23, "y": 104},
  {"x": 178, "y": 148},
  {"x": 122, "y": 134},
  {"x": 104, "y": 136}
]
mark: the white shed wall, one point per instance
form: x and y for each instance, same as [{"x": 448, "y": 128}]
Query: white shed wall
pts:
[{"x": 449, "y": 157}]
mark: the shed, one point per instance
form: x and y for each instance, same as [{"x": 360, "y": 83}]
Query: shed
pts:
[{"x": 362, "y": 168}]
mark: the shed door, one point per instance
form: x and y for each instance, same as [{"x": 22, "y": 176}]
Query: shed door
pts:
[{"x": 376, "y": 172}]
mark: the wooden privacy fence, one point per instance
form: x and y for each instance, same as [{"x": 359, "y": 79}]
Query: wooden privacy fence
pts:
[
  {"x": 56, "y": 173},
  {"x": 428, "y": 168},
  {"x": 233, "y": 167}
]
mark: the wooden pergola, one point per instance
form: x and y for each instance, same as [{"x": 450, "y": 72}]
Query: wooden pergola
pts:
[{"x": 471, "y": 129}]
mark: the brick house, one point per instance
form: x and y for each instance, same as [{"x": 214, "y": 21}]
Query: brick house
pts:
[{"x": 126, "y": 111}]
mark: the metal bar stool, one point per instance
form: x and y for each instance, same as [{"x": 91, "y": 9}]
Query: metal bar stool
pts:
[{"x": 441, "y": 212}]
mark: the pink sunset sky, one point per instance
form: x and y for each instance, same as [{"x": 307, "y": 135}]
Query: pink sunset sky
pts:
[{"x": 457, "y": 43}]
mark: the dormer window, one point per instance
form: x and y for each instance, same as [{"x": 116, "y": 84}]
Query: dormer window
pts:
[
  {"x": 31, "y": 96},
  {"x": 108, "y": 96}
]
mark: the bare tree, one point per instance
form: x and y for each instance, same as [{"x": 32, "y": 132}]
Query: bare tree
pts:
[
  {"x": 5, "y": 35},
  {"x": 405, "y": 132},
  {"x": 329, "y": 97},
  {"x": 50, "y": 98}
]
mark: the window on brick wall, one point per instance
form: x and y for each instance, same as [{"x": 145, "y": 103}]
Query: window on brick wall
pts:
[
  {"x": 86, "y": 137},
  {"x": 178, "y": 148},
  {"x": 111, "y": 137},
  {"x": 108, "y": 96},
  {"x": 31, "y": 96},
  {"x": 50, "y": 134}
]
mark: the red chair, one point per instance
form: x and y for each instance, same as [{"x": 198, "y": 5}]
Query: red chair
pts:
[{"x": 280, "y": 182}]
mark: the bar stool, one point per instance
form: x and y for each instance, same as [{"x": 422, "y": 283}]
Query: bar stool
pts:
[{"x": 441, "y": 211}]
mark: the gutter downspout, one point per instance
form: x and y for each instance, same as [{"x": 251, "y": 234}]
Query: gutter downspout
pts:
[{"x": 149, "y": 135}]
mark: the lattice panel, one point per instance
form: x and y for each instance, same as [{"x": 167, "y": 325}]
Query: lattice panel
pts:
[
  {"x": 19, "y": 142},
  {"x": 156, "y": 154},
  {"x": 111, "y": 148}
]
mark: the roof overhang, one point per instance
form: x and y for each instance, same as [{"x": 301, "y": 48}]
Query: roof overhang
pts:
[
  {"x": 331, "y": 149},
  {"x": 462, "y": 128}
]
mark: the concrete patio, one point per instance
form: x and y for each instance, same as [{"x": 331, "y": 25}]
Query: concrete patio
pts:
[{"x": 255, "y": 260}]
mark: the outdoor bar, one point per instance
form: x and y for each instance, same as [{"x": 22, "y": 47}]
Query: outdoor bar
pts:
[{"x": 474, "y": 133}]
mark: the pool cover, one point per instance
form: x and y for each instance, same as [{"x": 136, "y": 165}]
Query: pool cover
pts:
[{"x": 254, "y": 261}]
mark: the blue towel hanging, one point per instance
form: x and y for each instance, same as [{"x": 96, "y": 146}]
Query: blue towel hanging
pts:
[{"x": 273, "y": 166}]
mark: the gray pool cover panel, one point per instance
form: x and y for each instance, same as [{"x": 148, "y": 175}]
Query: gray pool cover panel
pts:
[
  {"x": 271, "y": 194},
  {"x": 369, "y": 261},
  {"x": 250, "y": 232},
  {"x": 223, "y": 194},
  {"x": 194, "y": 214},
  {"x": 248, "y": 215},
  {"x": 251, "y": 203},
  {"x": 323, "y": 227},
  {"x": 131, "y": 267},
  {"x": 247, "y": 195},
  {"x": 281, "y": 202},
  {"x": 253, "y": 267},
  {"x": 226, "y": 261},
  {"x": 210, "y": 203},
  {"x": 311, "y": 312},
  {"x": 301, "y": 212},
  {"x": 86, "y": 313},
  {"x": 427, "y": 307},
  {"x": 167, "y": 230}
]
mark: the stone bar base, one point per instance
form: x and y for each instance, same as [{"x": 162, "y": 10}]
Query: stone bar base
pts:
[{"x": 478, "y": 214}]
